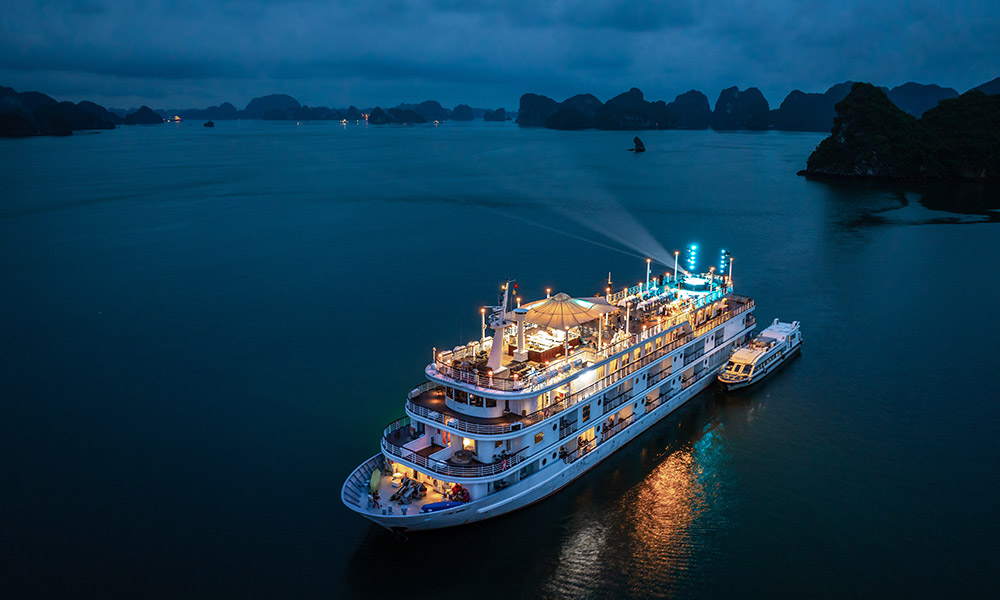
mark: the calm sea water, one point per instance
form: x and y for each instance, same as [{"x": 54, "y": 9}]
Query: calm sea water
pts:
[{"x": 204, "y": 331}]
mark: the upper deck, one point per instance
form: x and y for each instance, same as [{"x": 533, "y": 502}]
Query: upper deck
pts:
[{"x": 552, "y": 356}]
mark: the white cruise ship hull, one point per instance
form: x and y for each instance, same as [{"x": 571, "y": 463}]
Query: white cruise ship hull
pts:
[{"x": 546, "y": 481}]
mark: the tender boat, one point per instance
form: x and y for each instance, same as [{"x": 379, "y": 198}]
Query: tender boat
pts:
[
  {"x": 563, "y": 383},
  {"x": 762, "y": 356}
]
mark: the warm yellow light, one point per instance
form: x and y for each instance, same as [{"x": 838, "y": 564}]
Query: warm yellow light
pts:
[
  {"x": 468, "y": 444},
  {"x": 482, "y": 310}
]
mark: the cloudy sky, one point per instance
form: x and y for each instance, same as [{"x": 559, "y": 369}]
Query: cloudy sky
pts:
[{"x": 182, "y": 53}]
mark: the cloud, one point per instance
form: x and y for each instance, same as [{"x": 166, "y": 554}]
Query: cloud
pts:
[{"x": 489, "y": 52}]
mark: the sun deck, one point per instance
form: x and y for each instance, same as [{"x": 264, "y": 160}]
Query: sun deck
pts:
[{"x": 640, "y": 312}]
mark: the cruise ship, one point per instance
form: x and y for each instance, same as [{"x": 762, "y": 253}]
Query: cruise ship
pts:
[{"x": 509, "y": 419}]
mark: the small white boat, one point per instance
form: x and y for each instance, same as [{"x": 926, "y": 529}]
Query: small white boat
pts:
[{"x": 762, "y": 356}]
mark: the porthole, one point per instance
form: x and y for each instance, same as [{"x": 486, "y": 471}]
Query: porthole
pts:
[
  {"x": 544, "y": 460},
  {"x": 553, "y": 456},
  {"x": 553, "y": 427}
]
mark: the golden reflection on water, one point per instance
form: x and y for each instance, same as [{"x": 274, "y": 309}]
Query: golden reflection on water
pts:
[{"x": 652, "y": 532}]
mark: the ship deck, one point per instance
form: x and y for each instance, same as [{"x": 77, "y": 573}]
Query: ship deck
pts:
[
  {"x": 386, "y": 490},
  {"x": 653, "y": 312},
  {"x": 433, "y": 399}
]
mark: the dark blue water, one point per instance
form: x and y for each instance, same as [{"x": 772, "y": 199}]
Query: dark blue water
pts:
[{"x": 203, "y": 331}]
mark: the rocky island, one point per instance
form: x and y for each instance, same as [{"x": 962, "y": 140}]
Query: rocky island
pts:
[{"x": 874, "y": 139}]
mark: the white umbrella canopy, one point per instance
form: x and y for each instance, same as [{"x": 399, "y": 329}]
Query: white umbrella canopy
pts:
[{"x": 561, "y": 311}]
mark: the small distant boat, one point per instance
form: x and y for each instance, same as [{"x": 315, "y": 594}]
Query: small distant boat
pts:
[
  {"x": 639, "y": 146},
  {"x": 762, "y": 356},
  {"x": 209, "y": 124}
]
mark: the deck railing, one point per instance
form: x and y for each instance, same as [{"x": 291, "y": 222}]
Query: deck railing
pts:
[
  {"x": 455, "y": 422},
  {"x": 357, "y": 486},
  {"x": 580, "y": 451},
  {"x": 441, "y": 467},
  {"x": 608, "y": 433},
  {"x": 510, "y": 382}
]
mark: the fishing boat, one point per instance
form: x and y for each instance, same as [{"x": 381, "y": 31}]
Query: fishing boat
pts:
[
  {"x": 506, "y": 420},
  {"x": 762, "y": 356}
]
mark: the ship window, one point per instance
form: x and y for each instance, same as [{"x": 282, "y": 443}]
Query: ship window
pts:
[
  {"x": 498, "y": 443},
  {"x": 635, "y": 355},
  {"x": 491, "y": 403},
  {"x": 461, "y": 396},
  {"x": 539, "y": 437},
  {"x": 475, "y": 400},
  {"x": 586, "y": 413}
]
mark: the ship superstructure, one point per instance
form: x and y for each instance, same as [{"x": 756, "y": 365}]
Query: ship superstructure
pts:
[{"x": 507, "y": 420}]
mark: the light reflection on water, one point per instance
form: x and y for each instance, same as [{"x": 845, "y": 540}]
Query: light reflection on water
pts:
[{"x": 649, "y": 541}]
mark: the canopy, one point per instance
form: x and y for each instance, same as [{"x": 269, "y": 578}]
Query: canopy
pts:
[{"x": 561, "y": 311}]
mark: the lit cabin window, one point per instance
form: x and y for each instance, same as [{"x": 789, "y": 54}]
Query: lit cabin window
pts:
[{"x": 539, "y": 437}]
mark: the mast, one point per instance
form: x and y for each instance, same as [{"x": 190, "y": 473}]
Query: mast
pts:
[{"x": 496, "y": 351}]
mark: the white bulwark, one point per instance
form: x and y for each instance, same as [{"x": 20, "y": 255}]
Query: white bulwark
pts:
[{"x": 505, "y": 421}]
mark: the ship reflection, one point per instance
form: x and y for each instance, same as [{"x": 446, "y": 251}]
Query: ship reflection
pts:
[{"x": 654, "y": 530}]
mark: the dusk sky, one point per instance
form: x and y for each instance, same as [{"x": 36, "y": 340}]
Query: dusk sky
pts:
[{"x": 183, "y": 53}]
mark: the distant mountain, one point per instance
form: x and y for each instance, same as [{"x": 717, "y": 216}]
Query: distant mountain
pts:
[
  {"x": 588, "y": 104},
  {"x": 534, "y": 109},
  {"x": 495, "y": 115},
  {"x": 405, "y": 116},
  {"x": 576, "y": 112},
  {"x": 990, "y": 87},
  {"x": 258, "y": 107},
  {"x": 222, "y": 112},
  {"x": 34, "y": 113},
  {"x": 689, "y": 110},
  {"x": 873, "y": 138},
  {"x": 16, "y": 124},
  {"x": 430, "y": 110},
  {"x": 462, "y": 112},
  {"x": 801, "y": 111},
  {"x": 100, "y": 112},
  {"x": 143, "y": 116},
  {"x": 378, "y": 117},
  {"x": 630, "y": 111},
  {"x": 66, "y": 117},
  {"x": 741, "y": 110},
  {"x": 916, "y": 98}
]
